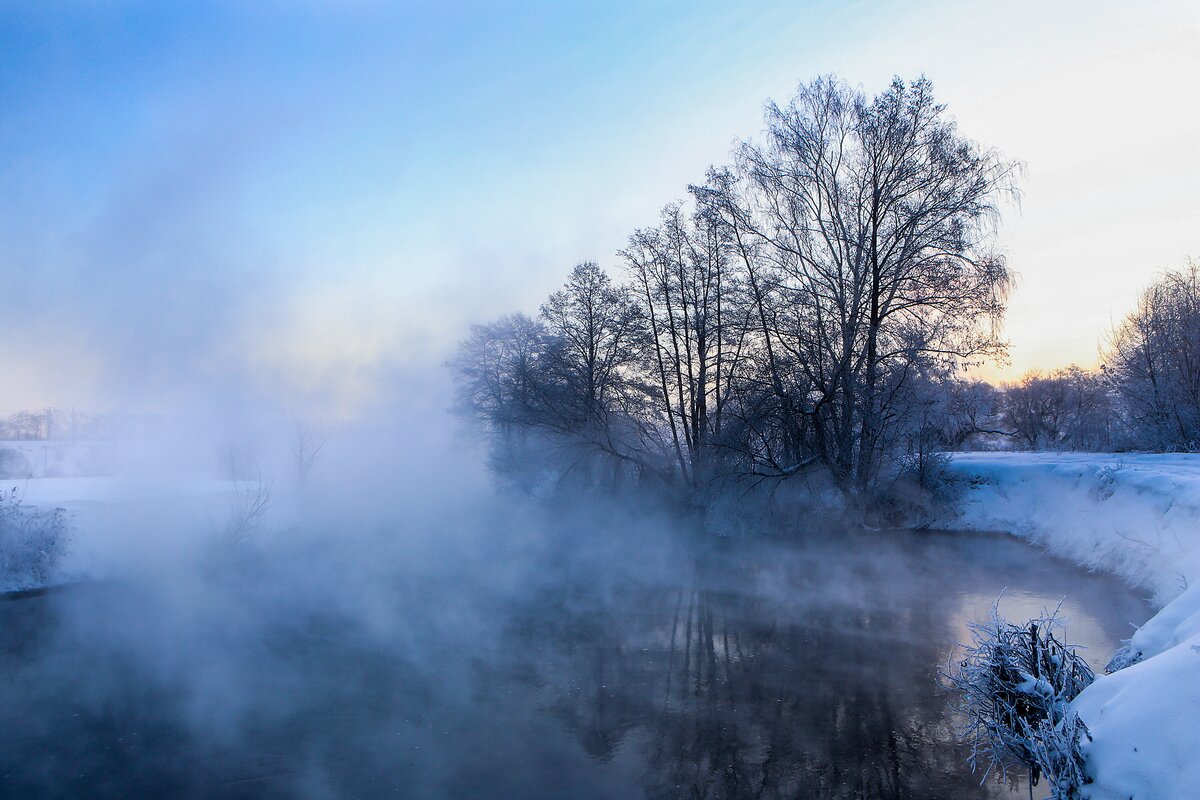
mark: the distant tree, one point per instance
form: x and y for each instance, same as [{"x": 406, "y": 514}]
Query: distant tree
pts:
[
  {"x": 1068, "y": 409},
  {"x": 501, "y": 382},
  {"x": 1091, "y": 410},
  {"x": 971, "y": 411},
  {"x": 27, "y": 425},
  {"x": 308, "y": 442},
  {"x": 249, "y": 495},
  {"x": 1152, "y": 361},
  {"x": 499, "y": 371},
  {"x": 592, "y": 329},
  {"x": 1030, "y": 408}
]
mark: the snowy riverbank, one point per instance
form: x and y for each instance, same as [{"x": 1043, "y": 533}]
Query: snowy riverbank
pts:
[
  {"x": 110, "y": 524},
  {"x": 1138, "y": 517}
]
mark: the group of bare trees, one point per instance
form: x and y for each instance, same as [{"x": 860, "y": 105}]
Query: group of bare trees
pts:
[
  {"x": 791, "y": 315},
  {"x": 1152, "y": 362},
  {"x": 1067, "y": 409},
  {"x": 51, "y": 423},
  {"x": 1145, "y": 395},
  {"x": 809, "y": 308}
]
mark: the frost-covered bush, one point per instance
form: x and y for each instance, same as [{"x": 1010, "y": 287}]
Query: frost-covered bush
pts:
[
  {"x": 918, "y": 490},
  {"x": 31, "y": 542},
  {"x": 1015, "y": 684},
  {"x": 1127, "y": 655}
]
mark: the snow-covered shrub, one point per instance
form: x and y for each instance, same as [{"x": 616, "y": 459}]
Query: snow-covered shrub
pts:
[
  {"x": 1126, "y": 656},
  {"x": 1055, "y": 747},
  {"x": 918, "y": 490},
  {"x": 31, "y": 542},
  {"x": 1015, "y": 683}
]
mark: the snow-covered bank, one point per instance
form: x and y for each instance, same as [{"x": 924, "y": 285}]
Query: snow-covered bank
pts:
[
  {"x": 1138, "y": 517},
  {"x": 108, "y": 523}
]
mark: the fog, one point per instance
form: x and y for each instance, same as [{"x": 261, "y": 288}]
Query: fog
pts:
[
  {"x": 244, "y": 245},
  {"x": 489, "y": 647},
  {"x": 384, "y": 617},
  {"x": 397, "y": 622},
  {"x": 399, "y": 626}
]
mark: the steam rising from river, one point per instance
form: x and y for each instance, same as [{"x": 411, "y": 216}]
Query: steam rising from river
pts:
[{"x": 397, "y": 627}]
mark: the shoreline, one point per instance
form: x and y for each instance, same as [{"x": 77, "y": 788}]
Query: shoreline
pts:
[{"x": 1136, "y": 517}]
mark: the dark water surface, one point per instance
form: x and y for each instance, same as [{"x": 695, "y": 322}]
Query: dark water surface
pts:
[{"x": 765, "y": 670}]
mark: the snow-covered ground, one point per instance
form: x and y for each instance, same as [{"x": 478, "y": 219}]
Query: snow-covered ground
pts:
[
  {"x": 112, "y": 519},
  {"x": 1136, "y": 516},
  {"x": 118, "y": 524}
]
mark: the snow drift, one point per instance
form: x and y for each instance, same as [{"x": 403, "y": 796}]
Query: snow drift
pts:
[{"x": 1138, "y": 517}]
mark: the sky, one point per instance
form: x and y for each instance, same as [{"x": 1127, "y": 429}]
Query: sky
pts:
[{"x": 316, "y": 199}]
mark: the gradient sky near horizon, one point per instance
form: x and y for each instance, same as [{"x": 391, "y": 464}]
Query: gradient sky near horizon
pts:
[{"x": 308, "y": 196}]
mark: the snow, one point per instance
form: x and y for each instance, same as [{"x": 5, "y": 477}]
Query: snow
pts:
[
  {"x": 1136, "y": 516},
  {"x": 121, "y": 523},
  {"x": 1143, "y": 722},
  {"x": 78, "y": 494},
  {"x": 1034, "y": 686}
]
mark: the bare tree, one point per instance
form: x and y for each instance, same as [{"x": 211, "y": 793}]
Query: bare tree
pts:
[
  {"x": 1152, "y": 360},
  {"x": 864, "y": 228},
  {"x": 308, "y": 442},
  {"x": 498, "y": 371},
  {"x": 970, "y": 411},
  {"x": 501, "y": 381},
  {"x": 250, "y": 496},
  {"x": 695, "y": 327},
  {"x": 592, "y": 329}
]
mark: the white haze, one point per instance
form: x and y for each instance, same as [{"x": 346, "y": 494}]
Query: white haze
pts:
[{"x": 164, "y": 306}]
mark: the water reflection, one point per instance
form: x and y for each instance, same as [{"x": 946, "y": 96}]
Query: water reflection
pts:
[{"x": 765, "y": 671}]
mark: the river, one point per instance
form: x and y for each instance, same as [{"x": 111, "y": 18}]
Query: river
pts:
[{"x": 765, "y": 669}]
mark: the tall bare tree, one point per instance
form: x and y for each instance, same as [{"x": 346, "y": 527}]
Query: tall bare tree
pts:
[
  {"x": 867, "y": 223},
  {"x": 694, "y": 326}
]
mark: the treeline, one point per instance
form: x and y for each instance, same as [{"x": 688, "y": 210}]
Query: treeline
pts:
[
  {"x": 801, "y": 312},
  {"x": 1144, "y": 396},
  {"x": 71, "y": 424},
  {"x": 50, "y": 423}
]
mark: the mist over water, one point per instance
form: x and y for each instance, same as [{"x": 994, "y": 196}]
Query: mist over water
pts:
[
  {"x": 409, "y": 632},
  {"x": 710, "y": 284}
]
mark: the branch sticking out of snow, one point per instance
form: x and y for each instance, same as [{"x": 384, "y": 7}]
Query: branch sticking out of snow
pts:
[{"x": 1015, "y": 684}]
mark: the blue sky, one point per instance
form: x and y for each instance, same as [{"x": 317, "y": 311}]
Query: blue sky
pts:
[{"x": 305, "y": 193}]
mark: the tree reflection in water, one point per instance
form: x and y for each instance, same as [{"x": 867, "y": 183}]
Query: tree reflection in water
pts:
[
  {"x": 766, "y": 670},
  {"x": 730, "y": 691}
]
